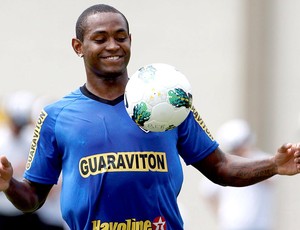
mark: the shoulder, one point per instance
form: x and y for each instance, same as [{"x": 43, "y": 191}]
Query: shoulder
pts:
[
  {"x": 64, "y": 102},
  {"x": 194, "y": 123},
  {"x": 52, "y": 111}
]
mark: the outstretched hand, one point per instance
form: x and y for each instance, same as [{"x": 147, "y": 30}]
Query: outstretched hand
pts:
[
  {"x": 287, "y": 159},
  {"x": 6, "y": 172}
]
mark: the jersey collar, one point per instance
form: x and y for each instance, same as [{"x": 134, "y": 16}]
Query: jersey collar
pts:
[{"x": 87, "y": 93}]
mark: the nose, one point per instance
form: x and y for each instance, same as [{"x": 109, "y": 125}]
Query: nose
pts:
[{"x": 112, "y": 44}]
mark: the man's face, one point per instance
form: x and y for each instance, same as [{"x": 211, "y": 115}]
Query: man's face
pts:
[{"x": 106, "y": 45}]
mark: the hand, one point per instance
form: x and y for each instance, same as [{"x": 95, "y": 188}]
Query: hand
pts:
[
  {"x": 287, "y": 159},
  {"x": 6, "y": 172}
]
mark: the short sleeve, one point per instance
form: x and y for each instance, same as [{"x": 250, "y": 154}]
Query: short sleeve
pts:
[
  {"x": 44, "y": 163},
  {"x": 195, "y": 140}
]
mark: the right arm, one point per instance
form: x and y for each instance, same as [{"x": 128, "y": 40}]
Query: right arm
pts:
[
  {"x": 231, "y": 170},
  {"x": 24, "y": 195}
]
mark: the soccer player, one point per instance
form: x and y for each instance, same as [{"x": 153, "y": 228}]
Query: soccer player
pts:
[{"x": 115, "y": 175}]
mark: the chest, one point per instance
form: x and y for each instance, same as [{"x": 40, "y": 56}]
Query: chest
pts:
[{"x": 102, "y": 135}]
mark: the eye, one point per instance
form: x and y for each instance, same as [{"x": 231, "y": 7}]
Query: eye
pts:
[
  {"x": 100, "y": 40},
  {"x": 121, "y": 39}
]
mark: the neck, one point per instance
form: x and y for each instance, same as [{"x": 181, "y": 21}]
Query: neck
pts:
[{"x": 105, "y": 88}]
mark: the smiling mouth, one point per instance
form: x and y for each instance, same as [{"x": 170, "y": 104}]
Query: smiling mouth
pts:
[{"x": 112, "y": 57}]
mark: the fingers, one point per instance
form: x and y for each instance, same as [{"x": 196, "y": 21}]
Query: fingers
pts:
[
  {"x": 5, "y": 166},
  {"x": 290, "y": 148},
  {"x": 5, "y": 163},
  {"x": 285, "y": 147},
  {"x": 296, "y": 149}
]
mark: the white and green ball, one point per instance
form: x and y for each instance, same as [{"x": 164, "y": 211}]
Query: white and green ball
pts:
[{"x": 158, "y": 97}]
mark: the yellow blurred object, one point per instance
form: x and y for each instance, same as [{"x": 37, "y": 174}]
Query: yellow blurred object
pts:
[{"x": 3, "y": 116}]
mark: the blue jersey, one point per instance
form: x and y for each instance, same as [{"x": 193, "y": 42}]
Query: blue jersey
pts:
[{"x": 114, "y": 175}]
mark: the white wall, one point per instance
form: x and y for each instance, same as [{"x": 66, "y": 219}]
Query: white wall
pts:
[{"x": 241, "y": 57}]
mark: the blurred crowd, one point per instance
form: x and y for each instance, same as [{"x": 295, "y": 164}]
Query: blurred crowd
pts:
[{"x": 18, "y": 114}]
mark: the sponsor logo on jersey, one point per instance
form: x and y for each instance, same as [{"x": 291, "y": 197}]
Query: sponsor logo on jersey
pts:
[
  {"x": 122, "y": 162},
  {"x": 35, "y": 138},
  {"x": 159, "y": 223},
  {"x": 200, "y": 121}
]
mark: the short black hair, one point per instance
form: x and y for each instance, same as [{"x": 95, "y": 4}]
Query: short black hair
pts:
[{"x": 99, "y": 8}]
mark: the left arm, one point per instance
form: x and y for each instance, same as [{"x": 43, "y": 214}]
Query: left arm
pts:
[{"x": 231, "y": 170}]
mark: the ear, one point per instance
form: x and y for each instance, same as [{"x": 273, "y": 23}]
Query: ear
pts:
[
  {"x": 130, "y": 38},
  {"x": 77, "y": 46}
]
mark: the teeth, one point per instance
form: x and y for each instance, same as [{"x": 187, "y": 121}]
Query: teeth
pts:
[{"x": 113, "y": 58}]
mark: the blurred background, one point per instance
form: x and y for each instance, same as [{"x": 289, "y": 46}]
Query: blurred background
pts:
[{"x": 241, "y": 56}]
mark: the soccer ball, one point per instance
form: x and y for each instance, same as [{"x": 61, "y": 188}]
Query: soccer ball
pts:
[{"x": 158, "y": 97}]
